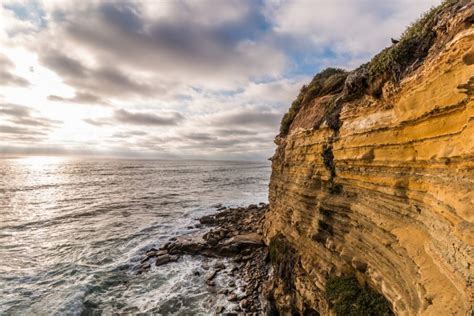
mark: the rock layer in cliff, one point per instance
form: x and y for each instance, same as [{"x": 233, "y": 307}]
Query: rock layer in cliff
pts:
[{"x": 373, "y": 175}]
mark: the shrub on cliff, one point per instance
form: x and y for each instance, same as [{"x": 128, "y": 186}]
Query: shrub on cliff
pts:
[
  {"x": 328, "y": 81},
  {"x": 348, "y": 298},
  {"x": 395, "y": 61}
]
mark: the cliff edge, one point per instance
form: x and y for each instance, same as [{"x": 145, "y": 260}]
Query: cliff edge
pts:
[{"x": 372, "y": 186}]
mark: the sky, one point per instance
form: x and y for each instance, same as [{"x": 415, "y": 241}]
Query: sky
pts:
[{"x": 177, "y": 79}]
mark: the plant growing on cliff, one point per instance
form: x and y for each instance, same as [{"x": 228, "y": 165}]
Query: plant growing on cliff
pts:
[
  {"x": 395, "y": 61},
  {"x": 348, "y": 298},
  {"x": 328, "y": 81}
]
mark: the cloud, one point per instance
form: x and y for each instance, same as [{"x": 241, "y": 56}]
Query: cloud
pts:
[
  {"x": 96, "y": 122},
  {"x": 14, "y": 110},
  {"x": 81, "y": 98},
  {"x": 63, "y": 65},
  {"x": 6, "y": 129},
  {"x": 248, "y": 118},
  {"x": 353, "y": 29},
  {"x": 129, "y": 134},
  {"x": 213, "y": 77},
  {"x": 186, "y": 44},
  {"x": 8, "y": 78},
  {"x": 234, "y": 132},
  {"x": 22, "y": 115},
  {"x": 94, "y": 83},
  {"x": 148, "y": 119}
]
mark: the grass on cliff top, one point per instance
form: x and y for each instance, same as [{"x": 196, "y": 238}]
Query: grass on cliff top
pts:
[
  {"x": 413, "y": 46},
  {"x": 392, "y": 63},
  {"x": 348, "y": 298},
  {"x": 330, "y": 80}
]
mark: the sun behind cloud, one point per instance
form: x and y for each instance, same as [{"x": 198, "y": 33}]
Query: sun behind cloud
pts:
[{"x": 162, "y": 79}]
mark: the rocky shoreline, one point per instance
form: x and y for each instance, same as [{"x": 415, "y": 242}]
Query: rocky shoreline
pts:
[{"x": 234, "y": 234}]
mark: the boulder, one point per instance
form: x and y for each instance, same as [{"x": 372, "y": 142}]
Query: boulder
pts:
[
  {"x": 245, "y": 240},
  {"x": 164, "y": 259},
  {"x": 232, "y": 297}
]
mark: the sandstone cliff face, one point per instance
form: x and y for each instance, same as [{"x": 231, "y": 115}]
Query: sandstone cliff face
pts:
[{"x": 387, "y": 192}]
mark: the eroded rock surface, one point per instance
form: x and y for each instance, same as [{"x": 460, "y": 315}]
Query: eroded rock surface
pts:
[{"x": 375, "y": 179}]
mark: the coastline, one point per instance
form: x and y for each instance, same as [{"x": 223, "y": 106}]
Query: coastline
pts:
[{"x": 232, "y": 236}]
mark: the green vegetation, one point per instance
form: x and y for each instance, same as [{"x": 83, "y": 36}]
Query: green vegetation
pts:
[
  {"x": 348, "y": 298},
  {"x": 283, "y": 259},
  {"x": 392, "y": 63},
  {"x": 330, "y": 80},
  {"x": 413, "y": 47}
]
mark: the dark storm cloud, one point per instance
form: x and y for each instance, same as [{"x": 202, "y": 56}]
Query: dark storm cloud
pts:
[
  {"x": 150, "y": 119},
  {"x": 6, "y": 77}
]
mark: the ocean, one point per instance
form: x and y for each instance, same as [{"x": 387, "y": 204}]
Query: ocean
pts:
[{"x": 73, "y": 232}]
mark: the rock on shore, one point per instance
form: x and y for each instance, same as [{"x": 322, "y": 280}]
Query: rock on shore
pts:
[{"x": 234, "y": 234}]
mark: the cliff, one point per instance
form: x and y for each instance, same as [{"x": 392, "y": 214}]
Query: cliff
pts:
[{"x": 373, "y": 181}]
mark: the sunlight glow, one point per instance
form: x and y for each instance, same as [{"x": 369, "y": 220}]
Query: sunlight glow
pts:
[{"x": 38, "y": 162}]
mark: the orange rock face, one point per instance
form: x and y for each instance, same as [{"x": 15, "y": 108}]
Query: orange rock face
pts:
[{"x": 389, "y": 195}]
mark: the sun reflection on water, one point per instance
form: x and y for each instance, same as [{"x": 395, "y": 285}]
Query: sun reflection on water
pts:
[
  {"x": 40, "y": 161},
  {"x": 33, "y": 186}
]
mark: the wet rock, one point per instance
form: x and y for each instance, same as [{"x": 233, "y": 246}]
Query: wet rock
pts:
[
  {"x": 245, "y": 304},
  {"x": 232, "y": 297},
  {"x": 155, "y": 253},
  {"x": 219, "y": 266},
  {"x": 211, "y": 276},
  {"x": 246, "y": 258},
  {"x": 234, "y": 233},
  {"x": 212, "y": 241},
  {"x": 246, "y": 240},
  {"x": 161, "y": 260},
  {"x": 151, "y": 249},
  {"x": 144, "y": 267},
  {"x": 223, "y": 291},
  {"x": 207, "y": 220},
  {"x": 211, "y": 283},
  {"x": 165, "y": 246}
]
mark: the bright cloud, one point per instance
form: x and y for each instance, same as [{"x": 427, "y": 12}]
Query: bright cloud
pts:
[{"x": 166, "y": 79}]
